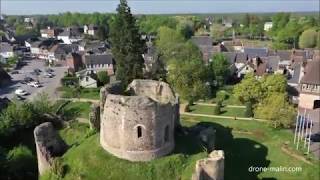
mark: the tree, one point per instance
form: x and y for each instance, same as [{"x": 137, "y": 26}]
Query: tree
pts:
[
  {"x": 188, "y": 78},
  {"x": 103, "y": 77},
  {"x": 220, "y": 67},
  {"x": 308, "y": 38},
  {"x": 217, "y": 31},
  {"x": 168, "y": 42},
  {"x": 127, "y": 45},
  {"x": 277, "y": 109},
  {"x": 102, "y": 33},
  {"x": 249, "y": 89}
]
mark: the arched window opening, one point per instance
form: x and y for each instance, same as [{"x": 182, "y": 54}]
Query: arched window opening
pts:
[
  {"x": 139, "y": 131},
  {"x": 166, "y": 134}
]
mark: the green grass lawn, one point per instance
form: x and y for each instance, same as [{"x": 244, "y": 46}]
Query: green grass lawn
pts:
[
  {"x": 77, "y": 109},
  {"x": 87, "y": 160},
  {"x": 245, "y": 143},
  {"x": 225, "y": 111},
  {"x": 250, "y": 143},
  {"x": 88, "y": 93}
]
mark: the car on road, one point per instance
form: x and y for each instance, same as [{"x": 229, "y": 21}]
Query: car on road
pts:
[
  {"x": 14, "y": 72},
  {"x": 21, "y": 92},
  {"x": 26, "y": 80}
]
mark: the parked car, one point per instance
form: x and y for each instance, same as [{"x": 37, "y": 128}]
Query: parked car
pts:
[
  {"x": 20, "y": 98},
  {"x": 14, "y": 72},
  {"x": 49, "y": 70},
  {"x": 21, "y": 92},
  {"x": 48, "y": 75},
  {"x": 34, "y": 84},
  {"x": 26, "y": 80},
  {"x": 35, "y": 73},
  {"x": 37, "y": 70},
  {"x": 315, "y": 137}
]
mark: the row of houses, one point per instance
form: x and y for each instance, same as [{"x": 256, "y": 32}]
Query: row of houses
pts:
[{"x": 69, "y": 35}]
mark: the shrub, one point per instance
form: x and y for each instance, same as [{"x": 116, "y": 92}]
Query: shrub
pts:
[
  {"x": 21, "y": 163},
  {"x": 222, "y": 95},
  {"x": 249, "y": 109},
  {"x": 217, "y": 108},
  {"x": 58, "y": 168},
  {"x": 103, "y": 77}
]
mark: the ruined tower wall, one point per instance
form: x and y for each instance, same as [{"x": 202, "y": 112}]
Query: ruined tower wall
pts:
[{"x": 138, "y": 127}]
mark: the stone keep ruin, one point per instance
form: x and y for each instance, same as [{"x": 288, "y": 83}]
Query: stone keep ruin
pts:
[
  {"x": 138, "y": 124},
  {"x": 48, "y": 144}
]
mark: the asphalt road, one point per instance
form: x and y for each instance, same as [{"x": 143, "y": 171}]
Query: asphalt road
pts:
[{"x": 48, "y": 85}]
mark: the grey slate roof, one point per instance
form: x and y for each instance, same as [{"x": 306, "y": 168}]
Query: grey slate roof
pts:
[
  {"x": 254, "y": 52},
  {"x": 296, "y": 74},
  {"x": 202, "y": 40},
  {"x": 98, "y": 59},
  {"x": 273, "y": 62},
  {"x": 6, "y": 47},
  {"x": 312, "y": 75}
]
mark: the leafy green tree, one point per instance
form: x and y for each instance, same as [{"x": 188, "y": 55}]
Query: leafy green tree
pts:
[
  {"x": 102, "y": 33},
  {"x": 168, "y": 42},
  {"x": 220, "y": 67},
  {"x": 276, "y": 83},
  {"x": 103, "y": 77},
  {"x": 217, "y": 31},
  {"x": 277, "y": 109},
  {"x": 249, "y": 89},
  {"x": 188, "y": 78},
  {"x": 127, "y": 45},
  {"x": 308, "y": 38},
  {"x": 151, "y": 23},
  {"x": 21, "y": 164}
]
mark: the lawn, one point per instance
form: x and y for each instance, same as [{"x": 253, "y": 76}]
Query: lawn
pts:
[
  {"x": 225, "y": 111},
  {"x": 245, "y": 143},
  {"x": 77, "y": 109},
  {"x": 87, "y": 160},
  {"x": 251, "y": 143},
  {"x": 88, "y": 93}
]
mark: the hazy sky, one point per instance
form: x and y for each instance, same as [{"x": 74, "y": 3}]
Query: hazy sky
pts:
[{"x": 157, "y": 6}]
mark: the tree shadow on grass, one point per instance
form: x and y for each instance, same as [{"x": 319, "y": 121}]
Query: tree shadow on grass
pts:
[{"x": 240, "y": 153}]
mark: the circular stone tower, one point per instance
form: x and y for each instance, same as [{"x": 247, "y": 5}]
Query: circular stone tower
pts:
[{"x": 139, "y": 126}]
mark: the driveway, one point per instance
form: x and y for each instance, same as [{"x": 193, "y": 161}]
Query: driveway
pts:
[{"x": 48, "y": 85}]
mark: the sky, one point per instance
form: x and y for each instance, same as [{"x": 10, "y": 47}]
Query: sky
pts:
[{"x": 28, "y": 7}]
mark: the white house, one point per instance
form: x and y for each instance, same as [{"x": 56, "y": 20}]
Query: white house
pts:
[
  {"x": 87, "y": 80},
  {"x": 267, "y": 26},
  {"x": 70, "y": 35},
  {"x": 6, "y": 50}
]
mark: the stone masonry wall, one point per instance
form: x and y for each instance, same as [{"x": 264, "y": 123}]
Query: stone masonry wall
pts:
[
  {"x": 48, "y": 145},
  {"x": 139, "y": 127}
]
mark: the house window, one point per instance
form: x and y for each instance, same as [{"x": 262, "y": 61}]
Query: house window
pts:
[
  {"x": 166, "y": 134},
  {"x": 139, "y": 131}
]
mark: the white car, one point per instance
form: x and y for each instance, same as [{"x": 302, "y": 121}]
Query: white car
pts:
[
  {"x": 21, "y": 92},
  {"x": 34, "y": 84},
  {"x": 48, "y": 75}
]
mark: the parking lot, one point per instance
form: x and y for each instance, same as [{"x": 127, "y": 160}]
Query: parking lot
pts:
[{"x": 48, "y": 85}]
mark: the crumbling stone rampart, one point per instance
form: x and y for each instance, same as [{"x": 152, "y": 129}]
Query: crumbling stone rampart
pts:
[
  {"x": 211, "y": 168},
  {"x": 48, "y": 145}
]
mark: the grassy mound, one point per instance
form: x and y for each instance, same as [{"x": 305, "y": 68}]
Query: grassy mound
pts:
[{"x": 87, "y": 160}]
